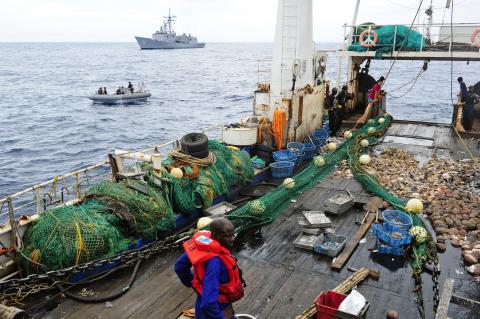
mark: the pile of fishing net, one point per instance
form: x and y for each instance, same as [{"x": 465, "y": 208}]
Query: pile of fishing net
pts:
[
  {"x": 71, "y": 235},
  {"x": 401, "y": 35},
  {"x": 202, "y": 183},
  {"x": 105, "y": 223}
]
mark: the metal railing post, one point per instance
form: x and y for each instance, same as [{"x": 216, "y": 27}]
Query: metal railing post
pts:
[{"x": 394, "y": 39}]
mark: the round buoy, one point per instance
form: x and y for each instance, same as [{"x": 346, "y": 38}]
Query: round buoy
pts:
[
  {"x": 204, "y": 222},
  {"x": 371, "y": 122},
  {"x": 319, "y": 160},
  {"x": 371, "y": 130},
  {"x": 381, "y": 120},
  {"x": 257, "y": 207},
  {"x": 364, "y": 143},
  {"x": 415, "y": 205},
  {"x": 176, "y": 172},
  {"x": 347, "y": 134},
  {"x": 365, "y": 159},
  {"x": 289, "y": 183},
  {"x": 331, "y": 146},
  {"x": 419, "y": 234}
]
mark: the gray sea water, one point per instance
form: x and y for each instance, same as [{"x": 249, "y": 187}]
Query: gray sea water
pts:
[{"x": 49, "y": 127}]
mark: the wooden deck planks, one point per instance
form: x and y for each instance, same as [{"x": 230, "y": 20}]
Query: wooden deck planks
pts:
[
  {"x": 352, "y": 243},
  {"x": 282, "y": 280}
]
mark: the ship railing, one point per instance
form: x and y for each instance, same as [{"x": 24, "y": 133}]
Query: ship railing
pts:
[
  {"x": 435, "y": 37},
  {"x": 263, "y": 70},
  {"x": 26, "y": 205}
]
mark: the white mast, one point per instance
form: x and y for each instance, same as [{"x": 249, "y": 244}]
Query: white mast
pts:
[{"x": 293, "y": 49}]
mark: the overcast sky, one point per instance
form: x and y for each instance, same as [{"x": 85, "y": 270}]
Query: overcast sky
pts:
[{"x": 209, "y": 20}]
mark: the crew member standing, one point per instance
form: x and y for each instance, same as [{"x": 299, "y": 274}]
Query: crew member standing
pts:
[
  {"x": 130, "y": 87},
  {"x": 374, "y": 95},
  {"x": 216, "y": 277},
  {"x": 332, "y": 112},
  {"x": 341, "y": 98},
  {"x": 463, "y": 90},
  {"x": 468, "y": 113}
]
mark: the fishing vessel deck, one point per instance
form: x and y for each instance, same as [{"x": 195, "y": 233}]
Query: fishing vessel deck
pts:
[{"x": 284, "y": 280}]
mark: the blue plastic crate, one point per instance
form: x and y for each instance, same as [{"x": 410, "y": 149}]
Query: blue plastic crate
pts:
[
  {"x": 282, "y": 169},
  {"x": 389, "y": 250},
  {"x": 310, "y": 150},
  {"x": 330, "y": 245},
  {"x": 284, "y": 155},
  {"x": 386, "y": 233},
  {"x": 297, "y": 148},
  {"x": 397, "y": 218}
]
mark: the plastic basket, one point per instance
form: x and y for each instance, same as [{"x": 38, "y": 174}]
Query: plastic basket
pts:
[
  {"x": 310, "y": 150},
  {"x": 386, "y": 233},
  {"x": 389, "y": 250},
  {"x": 284, "y": 155},
  {"x": 328, "y": 302},
  {"x": 282, "y": 169},
  {"x": 397, "y": 218},
  {"x": 320, "y": 137},
  {"x": 297, "y": 148},
  {"x": 331, "y": 244}
]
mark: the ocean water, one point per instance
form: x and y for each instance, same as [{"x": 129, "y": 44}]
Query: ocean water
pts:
[{"x": 48, "y": 126}]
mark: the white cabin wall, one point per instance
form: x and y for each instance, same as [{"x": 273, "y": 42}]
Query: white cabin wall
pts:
[{"x": 293, "y": 42}]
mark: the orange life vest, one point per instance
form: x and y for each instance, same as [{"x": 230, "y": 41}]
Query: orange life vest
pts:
[{"x": 201, "y": 248}]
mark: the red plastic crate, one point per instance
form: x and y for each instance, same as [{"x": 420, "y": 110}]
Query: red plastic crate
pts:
[{"x": 327, "y": 304}]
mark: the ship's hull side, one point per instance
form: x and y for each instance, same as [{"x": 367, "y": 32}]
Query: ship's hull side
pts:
[{"x": 149, "y": 44}]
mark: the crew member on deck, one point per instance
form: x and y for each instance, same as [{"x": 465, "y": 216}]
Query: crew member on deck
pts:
[
  {"x": 468, "y": 113},
  {"x": 216, "y": 278},
  {"x": 341, "y": 98},
  {"x": 374, "y": 94},
  {"x": 100, "y": 91},
  {"x": 130, "y": 87},
  {"x": 331, "y": 105},
  {"x": 105, "y": 90},
  {"x": 463, "y": 90}
]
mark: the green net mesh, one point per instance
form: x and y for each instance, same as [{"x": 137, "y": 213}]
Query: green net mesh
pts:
[
  {"x": 101, "y": 226},
  {"x": 71, "y": 235},
  {"x": 147, "y": 215},
  {"x": 231, "y": 168},
  {"x": 388, "y": 35}
]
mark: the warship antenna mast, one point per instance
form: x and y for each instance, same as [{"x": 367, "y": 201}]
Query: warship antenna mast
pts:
[{"x": 169, "y": 21}]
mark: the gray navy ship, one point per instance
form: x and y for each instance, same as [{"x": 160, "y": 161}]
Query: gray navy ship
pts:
[{"x": 166, "y": 38}]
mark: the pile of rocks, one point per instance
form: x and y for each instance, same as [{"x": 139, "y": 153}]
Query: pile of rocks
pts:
[{"x": 450, "y": 191}]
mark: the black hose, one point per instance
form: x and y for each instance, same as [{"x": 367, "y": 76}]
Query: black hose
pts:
[{"x": 106, "y": 298}]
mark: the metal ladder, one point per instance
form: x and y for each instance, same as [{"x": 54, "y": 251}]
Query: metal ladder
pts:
[{"x": 289, "y": 36}]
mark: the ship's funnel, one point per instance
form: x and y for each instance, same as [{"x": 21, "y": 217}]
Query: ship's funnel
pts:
[{"x": 293, "y": 49}]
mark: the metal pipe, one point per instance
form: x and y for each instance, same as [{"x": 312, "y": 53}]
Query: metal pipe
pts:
[{"x": 54, "y": 180}]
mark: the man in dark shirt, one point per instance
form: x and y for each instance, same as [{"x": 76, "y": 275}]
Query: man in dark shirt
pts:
[
  {"x": 331, "y": 105},
  {"x": 463, "y": 90},
  {"x": 341, "y": 105},
  {"x": 468, "y": 113}
]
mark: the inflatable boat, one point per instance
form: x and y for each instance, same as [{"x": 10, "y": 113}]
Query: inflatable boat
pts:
[{"x": 120, "y": 98}]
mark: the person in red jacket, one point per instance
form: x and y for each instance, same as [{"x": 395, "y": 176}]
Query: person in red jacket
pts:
[{"x": 216, "y": 277}]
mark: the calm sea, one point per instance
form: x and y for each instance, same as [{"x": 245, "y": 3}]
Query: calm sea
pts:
[{"x": 49, "y": 127}]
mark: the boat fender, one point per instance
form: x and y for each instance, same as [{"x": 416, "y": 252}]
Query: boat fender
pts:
[
  {"x": 194, "y": 142},
  {"x": 368, "y": 42},
  {"x": 474, "y": 40}
]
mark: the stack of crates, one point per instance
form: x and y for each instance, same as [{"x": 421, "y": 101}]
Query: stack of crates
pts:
[{"x": 392, "y": 236}]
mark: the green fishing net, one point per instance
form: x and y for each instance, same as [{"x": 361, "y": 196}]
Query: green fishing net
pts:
[{"x": 71, "y": 235}]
